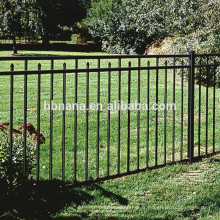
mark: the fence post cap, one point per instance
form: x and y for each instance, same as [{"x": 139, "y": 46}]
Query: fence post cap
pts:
[{"x": 191, "y": 51}]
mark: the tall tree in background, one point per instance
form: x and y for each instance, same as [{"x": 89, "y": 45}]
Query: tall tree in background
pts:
[
  {"x": 19, "y": 18},
  {"x": 44, "y": 19},
  {"x": 60, "y": 15}
]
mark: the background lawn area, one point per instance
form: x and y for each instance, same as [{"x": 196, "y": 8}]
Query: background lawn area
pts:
[{"x": 57, "y": 132}]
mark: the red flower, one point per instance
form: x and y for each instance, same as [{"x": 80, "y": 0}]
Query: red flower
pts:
[
  {"x": 101, "y": 146},
  {"x": 5, "y": 124},
  {"x": 2, "y": 128},
  {"x": 41, "y": 138},
  {"x": 16, "y": 131},
  {"x": 29, "y": 127}
]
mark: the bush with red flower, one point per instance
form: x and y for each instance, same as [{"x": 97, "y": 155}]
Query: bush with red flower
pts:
[{"x": 11, "y": 168}]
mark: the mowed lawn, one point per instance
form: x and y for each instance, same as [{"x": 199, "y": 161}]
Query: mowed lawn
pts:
[
  {"x": 180, "y": 191},
  {"x": 174, "y": 192},
  {"x": 81, "y": 135}
]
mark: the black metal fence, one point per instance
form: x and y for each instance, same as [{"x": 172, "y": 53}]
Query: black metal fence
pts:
[{"x": 106, "y": 143}]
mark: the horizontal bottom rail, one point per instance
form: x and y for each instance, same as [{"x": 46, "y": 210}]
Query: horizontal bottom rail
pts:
[{"x": 75, "y": 184}]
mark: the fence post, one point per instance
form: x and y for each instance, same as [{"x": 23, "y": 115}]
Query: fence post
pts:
[{"x": 191, "y": 106}]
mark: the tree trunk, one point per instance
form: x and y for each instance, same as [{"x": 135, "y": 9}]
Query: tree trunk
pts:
[
  {"x": 45, "y": 40},
  {"x": 15, "y": 45}
]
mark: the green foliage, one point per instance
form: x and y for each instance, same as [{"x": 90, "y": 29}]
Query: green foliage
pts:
[
  {"x": 41, "y": 19},
  {"x": 181, "y": 17},
  {"x": 205, "y": 38},
  {"x": 129, "y": 26},
  {"x": 115, "y": 24},
  {"x": 11, "y": 170},
  {"x": 59, "y": 17},
  {"x": 20, "y": 18},
  {"x": 13, "y": 173}
]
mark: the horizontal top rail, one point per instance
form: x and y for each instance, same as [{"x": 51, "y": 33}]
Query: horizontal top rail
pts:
[
  {"x": 209, "y": 54},
  {"x": 207, "y": 65},
  {"x": 89, "y": 57},
  {"x": 57, "y": 57},
  {"x": 22, "y": 72},
  {"x": 29, "y": 72}
]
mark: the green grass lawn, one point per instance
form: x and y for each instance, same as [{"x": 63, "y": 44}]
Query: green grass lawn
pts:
[
  {"x": 174, "y": 192},
  {"x": 180, "y": 191},
  {"x": 57, "y": 133}
]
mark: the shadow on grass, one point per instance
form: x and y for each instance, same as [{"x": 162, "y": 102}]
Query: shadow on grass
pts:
[
  {"x": 46, "y": 198},
  {"x": 38, "y": 55},
  {"x": 54, "y": 47}
]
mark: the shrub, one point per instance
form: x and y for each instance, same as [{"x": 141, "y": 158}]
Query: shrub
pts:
[
  {"x": 129, "y": 26},
  {"x": 11, "y": 169},
  {"x": 124, "y": 26},
  {"x": 204, "y": 39}
]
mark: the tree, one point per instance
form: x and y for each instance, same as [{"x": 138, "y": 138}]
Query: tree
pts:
[{"x": 19, "y": 18}]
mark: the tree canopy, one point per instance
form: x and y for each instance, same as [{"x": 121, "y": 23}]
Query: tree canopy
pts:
[
  {"x": 45, "y": 19},
  {"x": 61, "y": 16},
  {"x": 20, "y": 18}
]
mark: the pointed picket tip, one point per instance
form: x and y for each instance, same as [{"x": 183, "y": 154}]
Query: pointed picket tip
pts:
[
  {"x": 39, "y": 66},
  {"x": 12, "y": 67}
]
